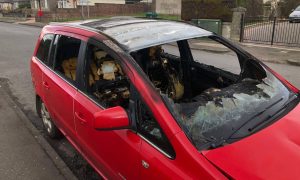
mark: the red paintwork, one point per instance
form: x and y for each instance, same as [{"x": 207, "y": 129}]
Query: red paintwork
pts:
[
  {"x": 112, "y": 118},
  {"x": 271, "y": 153}
]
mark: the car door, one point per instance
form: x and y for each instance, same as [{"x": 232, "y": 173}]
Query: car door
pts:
[
  {"x": 157, "y": 152},
  {"x": 113, "y": 153},
  {"x": 60, "y": 83}
]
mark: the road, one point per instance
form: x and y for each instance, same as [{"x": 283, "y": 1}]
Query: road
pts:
[
  {"x": 285, "y": 33},
  {"x": 17, "y": 43}
]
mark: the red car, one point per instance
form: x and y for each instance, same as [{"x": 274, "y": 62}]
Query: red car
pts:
[{"x": 156, "y": 99}]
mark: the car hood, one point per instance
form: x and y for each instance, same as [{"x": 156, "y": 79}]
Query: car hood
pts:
[{"x": 272, "y": 153}]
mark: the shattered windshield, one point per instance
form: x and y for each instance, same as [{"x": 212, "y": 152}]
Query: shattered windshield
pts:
[
  {"x": 213, "y": 91},
  {"x": 215, "y": 114}
]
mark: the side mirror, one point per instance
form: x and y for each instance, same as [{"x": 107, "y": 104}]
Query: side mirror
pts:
[{"x": 111, "y": 119}]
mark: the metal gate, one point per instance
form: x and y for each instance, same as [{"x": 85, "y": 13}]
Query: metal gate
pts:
[{"x": 273, "y": 31}]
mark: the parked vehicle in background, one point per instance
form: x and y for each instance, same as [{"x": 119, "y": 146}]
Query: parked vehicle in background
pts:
[
  {"x": 295, "y": 15},
  {"x": 138, "y": 101}
]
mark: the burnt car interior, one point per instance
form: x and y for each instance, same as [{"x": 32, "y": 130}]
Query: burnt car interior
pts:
[
  {"x": 109, "y": 86},
  {"x": 184, "y": 80},
  {"x": 106, "y": 79}
]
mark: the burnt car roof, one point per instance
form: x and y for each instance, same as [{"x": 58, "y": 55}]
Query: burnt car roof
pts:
[{"x": 137, "y": 33}]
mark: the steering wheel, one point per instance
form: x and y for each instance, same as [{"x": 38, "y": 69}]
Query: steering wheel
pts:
[{"x": 108, "y": 84}]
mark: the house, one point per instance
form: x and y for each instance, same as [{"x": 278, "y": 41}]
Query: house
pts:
[
  {"x": 6, "y": 5},
  {"x": 10, "y": 5},
  {"x": 45, "y": 5},
  {"x": 74, "y": 3}
]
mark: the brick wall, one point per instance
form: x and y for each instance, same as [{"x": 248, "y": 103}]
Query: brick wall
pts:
[
  {"x": 168, "y": 7},
  {"x": 96, "y": 11}
]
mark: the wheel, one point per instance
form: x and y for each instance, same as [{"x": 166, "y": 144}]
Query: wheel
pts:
[
  {"x": 291, "y": 21},
  {"x": 50, "y": 128}
]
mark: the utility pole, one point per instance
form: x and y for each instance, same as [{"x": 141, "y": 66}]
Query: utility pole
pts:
[{"x": 88, "y": 9}]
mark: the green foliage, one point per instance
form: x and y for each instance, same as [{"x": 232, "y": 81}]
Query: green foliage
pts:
[
  {"x": 26, "y": 5},
  {"x": 241, "y": 3}
]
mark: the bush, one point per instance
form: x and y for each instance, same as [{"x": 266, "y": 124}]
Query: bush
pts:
[
  {"x": 25, "y": 5},
  {"x": 254, "y": 8},
  {"x": 286, "y": 7}
]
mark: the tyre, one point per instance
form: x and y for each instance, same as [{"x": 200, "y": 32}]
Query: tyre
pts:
[{"x": 50, "y": 128}]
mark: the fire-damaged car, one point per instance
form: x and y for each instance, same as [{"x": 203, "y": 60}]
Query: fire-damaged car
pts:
[{"x": 157, "y": 99}]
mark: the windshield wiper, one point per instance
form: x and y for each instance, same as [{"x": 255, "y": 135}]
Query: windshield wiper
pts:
[
  {"x": 218, "y": 142},
  {"x": 250, "y": 127},
  {"x": 266, "y": 120}
]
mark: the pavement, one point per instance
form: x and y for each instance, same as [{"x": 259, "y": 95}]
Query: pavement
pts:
[
  {"x": 24, "y": 153},
  {"x": 22, "y": 21}
]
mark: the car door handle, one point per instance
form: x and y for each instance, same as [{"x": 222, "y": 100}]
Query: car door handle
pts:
[
  {"x": 79, "y": 116},
  {"x": 46, "y": 85},
  {"x": 145, "y": 164}
]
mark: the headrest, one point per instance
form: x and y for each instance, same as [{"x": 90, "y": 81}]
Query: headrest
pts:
[
  {"x": 100, "y": 54},
  {"x": 70, "y": 64}
]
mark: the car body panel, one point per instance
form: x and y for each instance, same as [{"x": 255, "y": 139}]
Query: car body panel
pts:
[
  {"x": 37, "y": 69},
  {"x": 272, "y": 153},
  {"x": 103, "y": 147},
  {"x": 129, "y": 32}
]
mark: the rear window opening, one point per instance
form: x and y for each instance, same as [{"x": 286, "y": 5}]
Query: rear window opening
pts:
[{"x": 210, "y": 89}]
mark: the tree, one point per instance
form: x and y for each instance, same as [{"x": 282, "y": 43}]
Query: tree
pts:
[
  {"x": 206, "y": 9},
  {"x": 287, "y": 6}
]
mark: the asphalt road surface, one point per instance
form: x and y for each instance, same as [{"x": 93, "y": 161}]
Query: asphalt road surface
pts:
[
  {"x": 285, "y": 33},
  {"x": 17, "y": 43}
]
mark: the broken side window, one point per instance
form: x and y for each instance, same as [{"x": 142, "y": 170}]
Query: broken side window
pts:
[{"x": 210, "y": 52}]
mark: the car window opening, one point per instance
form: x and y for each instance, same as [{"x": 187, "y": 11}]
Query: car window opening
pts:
[
  {"x": 107, "y": 82},
  {"x": 67, "y": 57},
  {"x": 206, "y": 97}
]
